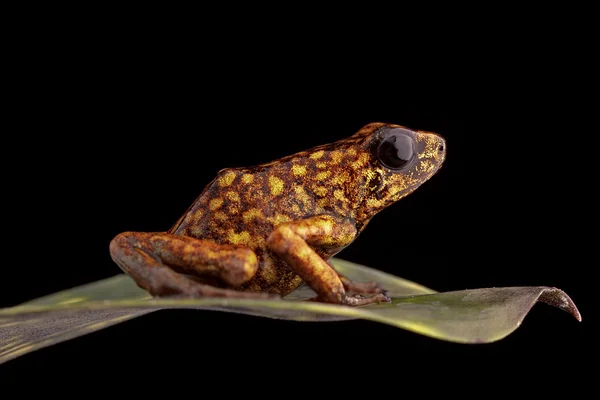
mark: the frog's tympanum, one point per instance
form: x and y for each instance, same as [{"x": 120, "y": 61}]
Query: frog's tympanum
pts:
[{"x": 261, "y": 232}]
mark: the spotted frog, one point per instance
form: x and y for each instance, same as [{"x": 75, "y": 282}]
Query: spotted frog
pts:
[{"x": 261, "y": 232}]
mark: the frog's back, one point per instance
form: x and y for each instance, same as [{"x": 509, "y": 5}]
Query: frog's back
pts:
[
  {"x": 239, "y": 207},
  {"x": 242, "y": 206}
]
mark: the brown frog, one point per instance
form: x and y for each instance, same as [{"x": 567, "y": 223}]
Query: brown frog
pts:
[{"x": 260, "y": 232}]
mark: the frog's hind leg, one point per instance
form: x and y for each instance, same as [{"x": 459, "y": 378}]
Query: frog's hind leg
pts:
[{"x": 165, "y": 264}]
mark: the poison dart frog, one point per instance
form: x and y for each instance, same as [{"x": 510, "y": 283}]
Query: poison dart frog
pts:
[{"x": 261, "y": 232}]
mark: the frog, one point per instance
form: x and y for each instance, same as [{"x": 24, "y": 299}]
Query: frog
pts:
[{"x": 261, "y": 232}]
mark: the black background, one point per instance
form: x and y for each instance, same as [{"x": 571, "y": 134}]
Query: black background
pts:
[{"x": 123, "y": 133}]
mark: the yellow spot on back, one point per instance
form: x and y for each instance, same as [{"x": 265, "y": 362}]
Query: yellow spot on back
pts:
[
  {"x": 301, "y": 194},
  {"x": 317, "y": 154},
  {"x": 280, "y": 219},
  {"x": 321, "y": 191},
  {"x": 351, "y": 152},
  {"x": 276, "y": 185},
  {"x": 238, "y": 238},
  {"x": 361, "y": 161},
  {"x": 322, "y": 202},
  {"x": 215, "y": 203},
  {"x": 322, "y": 165},
  {"x": 341, "y": 178},
  {"x": 227, "y": 179},
  {"x": 298, "y": 170},
  {"x": 251, "y": 214},
  {"x": 336, "y": 156},
  {"x": 220, "y": 216},
  {"x": 247, "y": 178},
  {"x": 232, "y": 196},
  {"x": 193, "y": 218},
  {"x": 339, "y": 195},
  {"x": 296, "y": 208},
  {"x": 322, "y": 175}
]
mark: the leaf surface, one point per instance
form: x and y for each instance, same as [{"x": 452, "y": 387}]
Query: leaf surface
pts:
[{"x": 466, "y": 316}]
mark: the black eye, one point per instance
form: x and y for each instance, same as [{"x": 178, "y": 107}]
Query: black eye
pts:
[{"x": 396, "y": 149}]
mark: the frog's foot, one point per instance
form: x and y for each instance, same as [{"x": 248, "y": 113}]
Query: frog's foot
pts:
[
  {"x": 361, "y": 287},
  {"x": 162, "y": 264},
  {"x": 358, "y": 300}
]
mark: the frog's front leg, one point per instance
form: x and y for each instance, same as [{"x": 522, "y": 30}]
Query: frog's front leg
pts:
[
  {"x": 291, "y": 241},
  {"x": 161, "y": 264}
]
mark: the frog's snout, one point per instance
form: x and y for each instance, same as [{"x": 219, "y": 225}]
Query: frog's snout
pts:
[
  {"x": 441, "y": 148},
  {"x": 431, "y": 147}
]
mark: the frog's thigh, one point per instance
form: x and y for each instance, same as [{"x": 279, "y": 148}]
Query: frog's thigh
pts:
[
  {"x": 158, "y": 262},
  {"x": 290, "y": 241}
]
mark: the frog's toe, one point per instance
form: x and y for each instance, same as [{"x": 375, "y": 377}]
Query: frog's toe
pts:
[
  {"x": 358, "y": 300},
  {"x": 385, "y": 298}
]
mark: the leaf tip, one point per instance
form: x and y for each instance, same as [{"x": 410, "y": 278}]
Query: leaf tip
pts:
[{"x": 557, "y": 298}]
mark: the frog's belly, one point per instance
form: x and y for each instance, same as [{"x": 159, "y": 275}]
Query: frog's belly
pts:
[{"x": 273, "y": 276}]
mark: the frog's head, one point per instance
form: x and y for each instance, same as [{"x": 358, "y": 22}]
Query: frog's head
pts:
[{"x": 400, "y": 160}]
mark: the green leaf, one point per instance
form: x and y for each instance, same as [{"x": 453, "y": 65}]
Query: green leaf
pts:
[{"x": 466, "y": 316}]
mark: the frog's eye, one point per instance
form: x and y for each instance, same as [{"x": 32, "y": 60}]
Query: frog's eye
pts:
[{"x": 396, "y": 148}]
